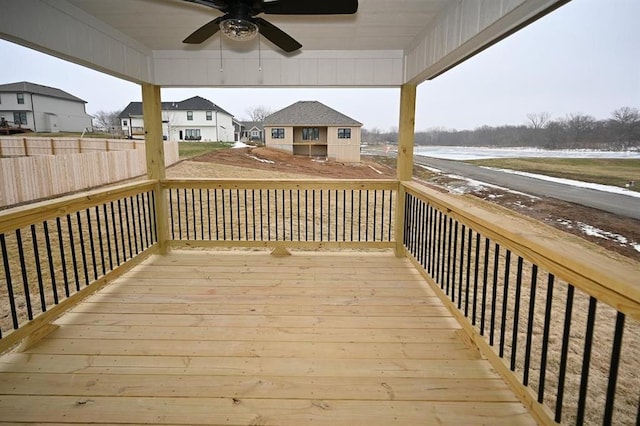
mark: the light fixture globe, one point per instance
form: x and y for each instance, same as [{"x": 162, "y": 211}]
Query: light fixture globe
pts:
[{"x": 239, "y": 29}]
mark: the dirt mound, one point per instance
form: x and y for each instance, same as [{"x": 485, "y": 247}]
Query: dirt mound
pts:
[{"x": 263, "y": 158}]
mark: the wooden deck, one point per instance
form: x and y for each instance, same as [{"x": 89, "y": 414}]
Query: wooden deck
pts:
[{"x": 201, "y": 337}]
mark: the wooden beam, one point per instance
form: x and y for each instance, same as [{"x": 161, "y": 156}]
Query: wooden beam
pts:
[
  {"x": 154, "y": 148},
  {"x": 404, "y": 166}
]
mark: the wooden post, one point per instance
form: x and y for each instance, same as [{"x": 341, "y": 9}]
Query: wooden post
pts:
[
  {"x": 154, "y": 149},
  {"x": 404, "y": 168}
]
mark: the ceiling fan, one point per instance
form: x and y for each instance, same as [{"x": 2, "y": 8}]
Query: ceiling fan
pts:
[{"x": 240, "y": 22}]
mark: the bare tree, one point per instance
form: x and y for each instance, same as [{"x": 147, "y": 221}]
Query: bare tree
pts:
[
  {"x": 626, "y": 122},
  {"x": 538, "y": 120},
  {"x": 107, "y": 120},
  {"x": 258, "y": 113}
]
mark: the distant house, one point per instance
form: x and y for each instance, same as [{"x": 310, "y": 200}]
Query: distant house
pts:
[
  {"x": 252, "y": 131},
  {"x": 194, "y": 119},
  {"x": 42, "y": 108},
  {"x": 313, "y": 129}
]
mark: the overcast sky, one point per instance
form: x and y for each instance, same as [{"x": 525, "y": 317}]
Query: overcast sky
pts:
[{"x": 582, "y": 58}]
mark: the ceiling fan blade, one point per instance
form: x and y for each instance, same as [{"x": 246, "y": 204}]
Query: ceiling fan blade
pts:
[
  {"x": 204, "y": 32},
  {"x": 216, "y": 4},
  {"x": 310, "y": 7},
  {"x": 275, "y": 35}
]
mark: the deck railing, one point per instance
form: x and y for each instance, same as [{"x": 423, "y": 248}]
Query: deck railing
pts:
[
  {"x": 51, "y": 251},
  {"x": 544, "y": 315},
  {"x": 295, "y": 213},
  {"x": 559, "y": 325}
]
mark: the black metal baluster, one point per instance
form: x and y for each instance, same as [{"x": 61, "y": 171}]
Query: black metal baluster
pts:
[
  {"x": 140, "y": 228},
  {"x": 375, "y": 210},
  {"x": 290, "y": 215},
  {"x": 224, "y": 218},
  {"x": 179, "y": 214},
  {"x": 298, "y": 196},
  {"x": 505, "y": 301},
  {"x": 92, "y": 244},
  {"x": 124, "y": 248},
  {"x": 246, "y": 216},
  {"x": 275, "y": 204},
  {"x": 516, "y": 316},
  {"x": 52, "y": 272},
  {"x": 133, "y": 223},
  {"x": 449, "y": 237},
  {"x": 485, "y": 275},
  {"x": 171, "y": 219},
  {"x": 74, "y": 261},
  {"x": 261, "y": 217},
  {"x": 453, "y": 263},
  {"x": 468, "y": 275},
  {"x": 82, "y": 250},
  {"x": 7, "y": 273},
  {"x": 462, "y": 234},
  {"x": 62, "y": 257},
  {"x": 336, "y": 210},
  {"x": 390, "y": 213},
  {"x": 321, "y": 215},
  {"x": 344, "y": 215},
  {"x": 313, "y": 214},
  {"x": 532, "y": 305},
  {"x": 126, "y": 218},
  {"x": 238, "y": 213},
  {"x": 494, "y": 294},
  {"x": 545, "y": 338},
  {"x": 115, "y": 232},
  {"x": 209, "y": 215},
  {"x": 23, "y": 269},
  {"x": 154, "y": 221},
  {"x": 359, "y": 215},
  {"x": 436, "y": 271},
  {"x": 215, "y": 202},
  {"x": 476, "y": 269},
  {"x": 36, "y": 253},
  {"x": 586, "y": 360},
  {"x": 268, "y": 214},
  {"x": 99, "y": 227},
  {"x": 145, "y": 207},
  {"x": 352, "y": 217},
  {"x": 366, "y": 229},
  {"x": 613, "y": 369},
  {"x": 562, "y": 374}
]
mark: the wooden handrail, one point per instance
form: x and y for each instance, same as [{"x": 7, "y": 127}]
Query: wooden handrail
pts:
[
  {"x": 347, "y": 184},
  {"x": 612, "y": 282},
  {"x": 20, "y": 217}
]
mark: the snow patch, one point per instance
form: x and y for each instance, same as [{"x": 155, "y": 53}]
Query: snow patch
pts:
[
  {"x": 262, "y": 160},
  {"x": 240, "y": 145},
  {"x": 571, "y": 182},
  {"x": 478, "y": 153}
]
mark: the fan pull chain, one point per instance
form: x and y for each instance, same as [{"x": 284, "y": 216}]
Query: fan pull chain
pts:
[
  {"x": 259, "y": 53},
  {"x": 221, "y": 69}
]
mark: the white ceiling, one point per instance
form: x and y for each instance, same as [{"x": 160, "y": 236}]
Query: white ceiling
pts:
[
  {"x": 163, "y": 24},
  {"x": 387, "y": 43}
]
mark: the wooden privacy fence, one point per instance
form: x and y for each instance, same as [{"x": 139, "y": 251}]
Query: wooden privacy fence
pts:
[
  {"x": 20, "y": 146},
  {"x": 87, "y": 165}
]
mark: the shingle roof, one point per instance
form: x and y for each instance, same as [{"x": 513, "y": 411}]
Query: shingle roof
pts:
[
  {"x": 251, "y": 124},
  {"x": 309, "y": 113},
  {"x": 37, "y": 89},
  {"x": 192, "y": 104}
]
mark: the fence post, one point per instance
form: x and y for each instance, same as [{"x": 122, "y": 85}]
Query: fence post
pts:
[
  {"x": 79, "y": 146},
  {"x": 26, "y": 146},
  {"x": 53, "y": 146}
]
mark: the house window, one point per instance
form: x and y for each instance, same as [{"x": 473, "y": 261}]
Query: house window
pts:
[
  {"x": 209, "y": 115},
  {"x": 192, "y": 135},
  {"x": 255, "y": 133},
  {"x": 125, "y": 123},
  {"x": 310, "y": 133},
  {"x": 20, "y": 97},
  {"x": 277, "y": 133},
  {"x": 19, "y": 118},
  {"x": 344, "y": 133},
  {"x": 189, "y": 115}
]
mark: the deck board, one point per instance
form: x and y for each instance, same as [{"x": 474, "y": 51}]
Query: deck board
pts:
[{"x": 203, "y": 337}]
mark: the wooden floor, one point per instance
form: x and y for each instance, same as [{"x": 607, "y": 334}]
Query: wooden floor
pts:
[{"x": 199, "y": 337}]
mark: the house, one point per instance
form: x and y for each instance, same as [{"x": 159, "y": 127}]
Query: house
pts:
[
  {"x": 313, "y": 129},
  {"x": 193, "y": 119},
  {"x": 252, "y": 131},
  {"x": 42, "y": 108}
]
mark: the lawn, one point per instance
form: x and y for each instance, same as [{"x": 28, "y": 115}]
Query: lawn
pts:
[
  {"x": 192, "y": 149},
  {"x": 615, "y": 172}
]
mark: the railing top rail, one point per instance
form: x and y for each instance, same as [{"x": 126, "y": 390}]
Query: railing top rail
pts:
[
  {"x": 19, "y": 217},
  {"x": 613, "y": 282},
  {"x": 387, "y": 184}
]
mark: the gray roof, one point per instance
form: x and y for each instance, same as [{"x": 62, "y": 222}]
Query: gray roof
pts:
[
  {"x": 251, "y": 124},
  {"x": 309, "y": 113},
  {"x": 192, "y": 104},
  {"x": 37, "y": 89}
]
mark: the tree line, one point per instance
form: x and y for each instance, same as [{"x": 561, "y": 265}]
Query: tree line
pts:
[{"x": 576, "y": 131}]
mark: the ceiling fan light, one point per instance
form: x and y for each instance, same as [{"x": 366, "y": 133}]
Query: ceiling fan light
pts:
[{"x": 239, "y": 29}]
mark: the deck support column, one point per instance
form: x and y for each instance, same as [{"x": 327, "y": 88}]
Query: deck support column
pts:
[
  {"x": 154, "y": 149},
  {"x": 404, "y": 171}
]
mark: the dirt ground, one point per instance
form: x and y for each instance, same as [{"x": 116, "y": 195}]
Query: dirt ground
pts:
[{"x": 264, "y": 162}]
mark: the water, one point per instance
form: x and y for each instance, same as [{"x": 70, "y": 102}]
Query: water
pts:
[{"x": 477, "y": 153}]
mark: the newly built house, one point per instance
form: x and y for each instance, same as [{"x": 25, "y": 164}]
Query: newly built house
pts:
[
  {"x": 313, "y": 129},
  {"x": 194, "y": 119},
  {"x": 299, "y": 301},
  {"x": 42, "y": 108}
]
